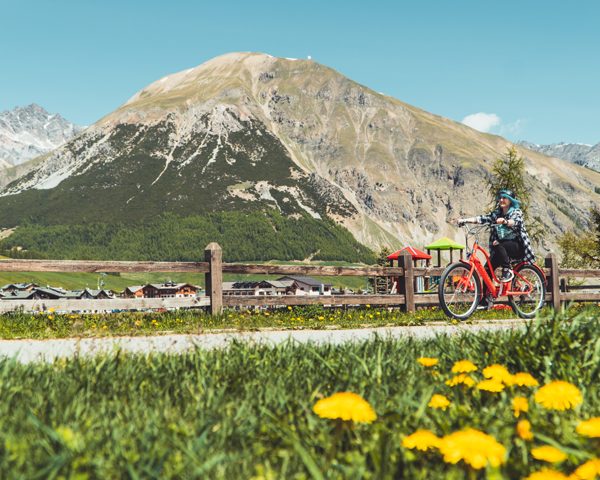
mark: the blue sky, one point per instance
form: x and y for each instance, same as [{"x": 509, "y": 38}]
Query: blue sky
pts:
[{"x": 526, "y": 69}]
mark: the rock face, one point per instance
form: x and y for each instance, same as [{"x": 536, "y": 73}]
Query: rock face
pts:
[
  {"x": 581, "y": 154},
  {"x": 27, "y": 132},
  {"x": 247, "y": 131}
]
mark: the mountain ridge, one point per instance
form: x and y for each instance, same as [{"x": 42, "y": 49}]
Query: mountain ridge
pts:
[
  {"x": 256, "y": 131},
  {"x": 578, "y": 153},
  {"x": 29, "y": 131}
]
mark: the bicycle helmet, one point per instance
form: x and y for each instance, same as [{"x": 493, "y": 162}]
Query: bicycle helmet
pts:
[{"x": 507, "y": 193}]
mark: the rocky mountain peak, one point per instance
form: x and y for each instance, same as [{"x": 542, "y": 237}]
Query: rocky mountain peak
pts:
[
  {"x": 578, "y": 153},
  {"x": 29, "y": 131}
]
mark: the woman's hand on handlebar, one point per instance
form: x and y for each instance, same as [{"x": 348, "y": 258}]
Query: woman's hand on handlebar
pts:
[
  {"x": 504, "y": 221},
  {"x": 463, "y": 221}
]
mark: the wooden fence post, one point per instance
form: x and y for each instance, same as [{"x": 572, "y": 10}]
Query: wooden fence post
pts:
[
  {"x": 553, "y": 280},
  {"x": 407, "y": 282},
  {"x": 214, "y": 277}
]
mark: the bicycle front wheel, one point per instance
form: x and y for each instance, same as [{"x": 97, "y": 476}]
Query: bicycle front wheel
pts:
[
  {"x": 530, "y": 281},
  {"x": 459, "y": 291}
]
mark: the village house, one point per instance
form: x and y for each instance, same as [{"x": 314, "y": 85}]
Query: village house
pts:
[
  {"x": 263, "y": 287},
  {"x": 169, "y": 290},
  {"x": 135, "y": 291},
  {"x": 89, "y": 294},
  {"x": 307, "y": 285},
  {"x": 18, "y": 287},
  {"x": 37, "y": 293}
]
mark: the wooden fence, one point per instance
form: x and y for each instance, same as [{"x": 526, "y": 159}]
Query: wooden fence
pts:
[{"x": 213, "y": 268}]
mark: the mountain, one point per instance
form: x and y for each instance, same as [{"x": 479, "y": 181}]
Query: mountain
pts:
[
  {"x": 579, "y": 153},
  {"x": 248, "y": 132},
  {"x": 27, "y": 132}
]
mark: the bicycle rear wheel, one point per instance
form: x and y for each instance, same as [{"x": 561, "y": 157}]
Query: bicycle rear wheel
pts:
[
  {"x": 459, "y": 292},
  {"x": 530, "y": 281}
]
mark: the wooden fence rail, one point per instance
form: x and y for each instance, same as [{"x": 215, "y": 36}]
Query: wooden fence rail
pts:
[{"x": 214, "y": 268}]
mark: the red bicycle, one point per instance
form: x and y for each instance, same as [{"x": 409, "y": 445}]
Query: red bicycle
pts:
[{"x": 461, "y": 285}]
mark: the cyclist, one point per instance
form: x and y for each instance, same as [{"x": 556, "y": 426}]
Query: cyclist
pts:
[{"x": 509, "y": 240}]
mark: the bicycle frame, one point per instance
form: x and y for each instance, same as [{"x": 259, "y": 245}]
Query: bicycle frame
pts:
[{"x": 494, "y": 287}]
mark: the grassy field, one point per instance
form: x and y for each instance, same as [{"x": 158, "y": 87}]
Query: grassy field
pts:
[
  {"x": 120, "y": 282},
  {"x": 247, "y": 411},
  {"x": 52, "y": 325}
]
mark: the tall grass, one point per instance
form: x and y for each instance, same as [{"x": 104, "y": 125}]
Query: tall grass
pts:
[{"x": 246, "y": 411}]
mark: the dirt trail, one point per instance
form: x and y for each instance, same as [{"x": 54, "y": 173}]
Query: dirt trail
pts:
[{"x": 27, "y": 351}]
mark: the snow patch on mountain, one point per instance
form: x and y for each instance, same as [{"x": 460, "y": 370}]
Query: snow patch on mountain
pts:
[{"x": 26, "y": 132}]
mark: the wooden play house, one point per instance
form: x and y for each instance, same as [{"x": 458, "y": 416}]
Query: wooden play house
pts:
[{"x": 420, "y": 259}]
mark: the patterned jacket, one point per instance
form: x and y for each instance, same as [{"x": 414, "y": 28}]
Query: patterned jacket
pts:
[{"x": 516, "y": 215}]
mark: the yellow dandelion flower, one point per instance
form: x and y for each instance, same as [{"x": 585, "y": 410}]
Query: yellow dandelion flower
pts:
[
  {"x": 463, "y": 366},
  {"x": 519, "y": 405},
  {"x": 499, "y": 373},
  {"x": 474, "y": 447},
  {"x": 558, "y": 395},
  {"x": 547, "y": 474},
  {"x": 439, "y": 401},
  {"x": 493, "y": 386},
  {"x": 588, "y": 471},
  {"x": 428, "y": 361},
  {"x": 524, "y": 430},
  {"x": 68, "y": 437},
  {"x": 524, "y": 379},
  {"x": 345, "y": 406},
  {"x": 548, "y": 453},
  {"x": 462, "y": 379},
  {"x": 589, "y": 428},
  {"x": 289, "y": 308},
  {"x": 421, "y": 440}
]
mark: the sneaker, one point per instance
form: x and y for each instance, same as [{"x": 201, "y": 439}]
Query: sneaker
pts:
[
  {"x": 486, "y": 303},
  {"x": 507, "y": 275}
]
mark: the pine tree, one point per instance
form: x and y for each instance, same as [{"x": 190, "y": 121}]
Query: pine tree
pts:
[
  {"x": 582, "y": 249},
  {"x": 508, "y": 172}
]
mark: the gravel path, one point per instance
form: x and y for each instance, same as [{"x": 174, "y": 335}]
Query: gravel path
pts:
[{"x": 26, "y": 351}]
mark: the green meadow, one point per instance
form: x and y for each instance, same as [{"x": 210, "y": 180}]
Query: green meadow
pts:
[{"x": 247, "y": 411}]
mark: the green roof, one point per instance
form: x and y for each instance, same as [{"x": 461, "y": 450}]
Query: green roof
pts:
[{"x": 445, "y": 243}]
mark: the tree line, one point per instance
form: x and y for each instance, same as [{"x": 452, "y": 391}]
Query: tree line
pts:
[{"x": 244, "y": 236}]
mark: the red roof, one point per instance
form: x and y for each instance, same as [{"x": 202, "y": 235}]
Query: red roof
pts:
[{"x": 415, "y": 253}]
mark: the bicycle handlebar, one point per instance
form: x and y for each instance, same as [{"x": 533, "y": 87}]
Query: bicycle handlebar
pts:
[{"x": 474, "y": 230}]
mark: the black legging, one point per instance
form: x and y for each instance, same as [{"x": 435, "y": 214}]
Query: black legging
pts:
[{"x": 504, "y": 252}]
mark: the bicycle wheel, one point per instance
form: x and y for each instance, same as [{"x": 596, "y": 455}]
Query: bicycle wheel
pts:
[
  {"x": 458, "y": 293},
  {"x": 529, "y": 280}
]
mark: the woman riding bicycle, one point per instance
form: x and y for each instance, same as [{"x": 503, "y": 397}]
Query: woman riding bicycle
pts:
[{"x": 509, "y": 240}]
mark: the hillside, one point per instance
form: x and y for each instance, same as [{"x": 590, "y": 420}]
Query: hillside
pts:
[{"x": 249, "y": 132}]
